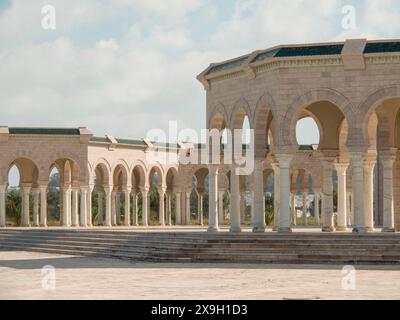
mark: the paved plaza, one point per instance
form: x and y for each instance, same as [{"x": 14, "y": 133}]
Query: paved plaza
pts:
[{"x": 22, "y": 277}]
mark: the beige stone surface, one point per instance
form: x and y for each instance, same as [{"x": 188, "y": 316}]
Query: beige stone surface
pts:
[{"x": 94, "y": 278}]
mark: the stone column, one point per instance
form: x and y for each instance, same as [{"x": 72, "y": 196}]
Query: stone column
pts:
[
  {"x": 327, "y": 199},
  {"x": 388, "y": 209},
  {"x": 305, "y": 209},
  {"x": 36, "y": 196},
  {"x": 341, "y": 169},
  {"x": 235, "y": 202},
  {"x": 358, "y": 190},
  {"x": 200, "y": 209},
  {"x": 284, "y": 192},
  {"x": 26, "y": 190},
  {"x": 178, "y": 202},
  {"x": 108, "y": 203},
  {"x": 293, "y": 208},
  {"x": 43, "y": 205},
  {"x": 169, "y": 209},
  {"x": 145, "y": 206},
  {"x": 83, "y": 202},
  {"x": 213, "y": 199},
  {"x": 221, "y": 207},
  {"x": 3, "y": 196},
  {"x": 135, "y": 220},
  {"x": 127, "y": 210},
  {"x": 66, "y": 206},
  {"x": 259, "y": 224},
  {"x": 113, "y": 208},
  {"x": 187, "y": 206},
  {"x": 161, "y": 206},
  {"x": 243, "y": 208},
  {"x": 369, "y": 166},
  {"x": 118, "y": 208},
  {"x": 89, "y": 215},
  {"x": 348, "y": 209},
  {"x": 277, "y": 200},
  {"x": 316, "y": 208},
  {"x": 74, "y": 209}
]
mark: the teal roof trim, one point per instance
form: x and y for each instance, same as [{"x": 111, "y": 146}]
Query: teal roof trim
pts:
[
  {"x": 382, "y": 47},
  {"x": 131, "y": 142},
  {"x": 45, "y": 131}
]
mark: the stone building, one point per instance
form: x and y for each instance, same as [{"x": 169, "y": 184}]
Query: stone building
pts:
[{"x": 352, "y": 91}]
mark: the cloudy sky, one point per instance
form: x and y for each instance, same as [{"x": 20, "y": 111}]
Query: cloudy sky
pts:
[{"x": 125, "y": 66}]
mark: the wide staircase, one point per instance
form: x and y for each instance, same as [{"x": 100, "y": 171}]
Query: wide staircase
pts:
[{"x": 201, "y": 247}]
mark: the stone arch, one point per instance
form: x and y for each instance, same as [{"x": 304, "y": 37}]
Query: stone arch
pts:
[
  {"x": 102, "y": 168},
  {"x": 369, "y": 106},
  {"x": 262, "y": 124},
  {"x": 240, "y": 110},
  {"x": 120, "y": 174},
  {"x": 28, "y": 170},
  {"x": 139, "y": 176},
  {"x": 217, "y": 118},
  {"x": 287, "y": 135},
  {"x": 160, "y": 173}
]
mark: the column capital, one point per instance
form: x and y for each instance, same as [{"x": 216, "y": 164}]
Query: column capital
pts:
[
  {"x": 284, "y": 160},
  {"x": 162, "y": 190},
  {"x": 3, "y": 188},
  {"x": 213, "y": 169},
  {"x": 341, "y": 167},
  {"x": 127, "y": 189}
]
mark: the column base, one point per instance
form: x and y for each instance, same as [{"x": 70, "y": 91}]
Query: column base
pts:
[
  {"x": 75, "y": 226},
  {"x": 284, "y": 230},
  {"x": 388, "y": 230},
  {"x": 275, "y": 229},
  {"x": 2, "y": 226},
  {"x": 342, "y": 229},
  {"x": 363, "y": 230},
  {"x": 258, "y": 229},
  {"x": 43, "y": 225},
  {"x": 26, "y": 225},
  {"x": 213, "y": 229},
  {"x": 328, "y": 229},
  {"x": 235, "y": 230}
]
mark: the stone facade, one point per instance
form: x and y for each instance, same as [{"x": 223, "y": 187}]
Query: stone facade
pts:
[{"x": 350, "y": 89}]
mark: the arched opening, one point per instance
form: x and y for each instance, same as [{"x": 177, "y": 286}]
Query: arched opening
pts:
[
  {"x": 268, "y": 175},
  {"x": 22, "y": 178},
  {"x": 120, "y": 185},
  {"x": 54, "y": 198},
  {"x": 14, "y": 198},
  {"x": 63, "y": 175},
  {"x": 171, "y": 182},
  {"x": 382, "y": 132},
  {"x": 307, "y": 132},
  {"x": 155, "y": 183},
  {"x": 101, "y": 182},
  {"x": 138, "y": 185},
  {"x": 199, "y": 197}
]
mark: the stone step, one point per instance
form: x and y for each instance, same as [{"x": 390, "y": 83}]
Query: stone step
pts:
[
  {"x": 298, "y": 242},
  {"x": 204, "y": 247},
  {"x": 78, "y": 247}
]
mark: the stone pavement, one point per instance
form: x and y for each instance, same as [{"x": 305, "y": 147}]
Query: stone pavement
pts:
[{"x": 22, "y": 277}]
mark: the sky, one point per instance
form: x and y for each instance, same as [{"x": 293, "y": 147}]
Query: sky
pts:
[{"x": 123, "y": 67}]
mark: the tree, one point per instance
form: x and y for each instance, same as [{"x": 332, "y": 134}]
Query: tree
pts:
[{"x": 14, "y": 206}]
